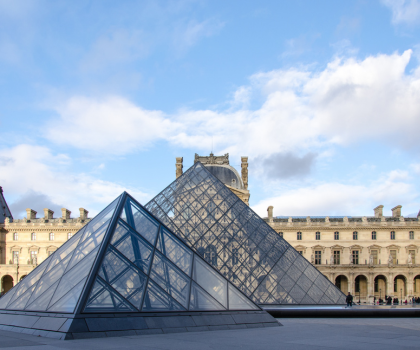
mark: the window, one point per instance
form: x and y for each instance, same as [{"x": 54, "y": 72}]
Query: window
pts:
[
  {"x": 300, "y": 252},
  {"x": 318, "y": 236},
  {"x": 210, "y": 255},
  {"x": 336, "y": 257},
  {"x": 235, "y": 256},
  {"x": 34, "y": 259},
  {"x": 186, "y": 212},
  {"x": 51, "y": 236},
  {"x": 336, "y": 235},
  {"x": 299, "y": 236},
  {"x": 355, "y": 255},
  {"x": 318, "y": 257},
  {"x": 33, "y": 236},
  {"x": 281, "y": 234},
  {"x": 374, "y": 254},
  {"x": 15, "y": 236},
  {"x": 374, "y": 235},
  {"x": 392, "y": 234},
  {"x": 69, "y": 235},
  {"x": 15, "y": 257},
  {"x": 394, "y": 256},
  {"x": 355, "y": 236},
  {"x": 411, "y": 234},
  {"x": 413, "y": 256}
]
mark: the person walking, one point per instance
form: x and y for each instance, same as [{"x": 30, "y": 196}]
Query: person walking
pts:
[{"x": 349, "y": 300}]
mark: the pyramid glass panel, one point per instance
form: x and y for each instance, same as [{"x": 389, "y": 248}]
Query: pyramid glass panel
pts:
[
  {"x": 62, "y": 271},
  {"x": 223, "y": 230},
  {"x": 141, "y": 276}
]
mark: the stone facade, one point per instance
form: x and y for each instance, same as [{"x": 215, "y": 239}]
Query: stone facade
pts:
[
  {"x": 27, "y": 242},
  {"x": 369, "y": 256}
]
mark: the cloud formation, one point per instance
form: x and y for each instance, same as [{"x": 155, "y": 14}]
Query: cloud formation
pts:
[
  {"x": 349, "y": 101},
  {"x": 404, "y": 11},
  {"x": 41, "y": 179}
]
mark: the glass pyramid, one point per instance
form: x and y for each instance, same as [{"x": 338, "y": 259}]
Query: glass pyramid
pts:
[
  {"x": 124, "y": 260},
  {"x": 226, "y": 233}
]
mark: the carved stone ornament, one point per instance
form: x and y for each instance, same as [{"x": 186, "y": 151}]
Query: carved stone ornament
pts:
[
  {"x": 212, "y": 159},
  {"x": 409, "y": 259},
  {"x": 331, "y": 260},
  {"x": 390, "y": 260},
  {"x": 370, "y": 259}
]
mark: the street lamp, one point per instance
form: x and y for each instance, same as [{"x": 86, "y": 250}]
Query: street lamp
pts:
[
  {"x": 401, "y": 296},
  {"x": 380, "y": 293}
]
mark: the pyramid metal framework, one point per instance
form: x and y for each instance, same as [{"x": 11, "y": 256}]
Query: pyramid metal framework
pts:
[
  {"x": 124, "y": 261},
  {"x": 231, "y": 237}
]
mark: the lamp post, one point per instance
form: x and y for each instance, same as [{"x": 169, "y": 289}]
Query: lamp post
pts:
[
  {"x": 380, "y": 293},
  {"x": 401, "y": 296}
]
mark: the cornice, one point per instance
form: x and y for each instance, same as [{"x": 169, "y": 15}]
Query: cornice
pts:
[{"x": 307, "y": 227}]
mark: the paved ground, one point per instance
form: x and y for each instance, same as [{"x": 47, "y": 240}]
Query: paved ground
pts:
[{"x": 371, "y": 334}]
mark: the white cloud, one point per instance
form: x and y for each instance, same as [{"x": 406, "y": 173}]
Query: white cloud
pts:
[
  {"x": 343, "y": 199},
  {"x": 404, "y": 11},
  {"x": 297, "y": 109},
  {"x": 34, "y": 171}
]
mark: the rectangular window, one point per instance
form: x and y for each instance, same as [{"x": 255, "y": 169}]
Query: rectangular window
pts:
[
  {"x": 411, "y": 234},
  {"x": 318, "y": 257},
  {"x": 336, "y": 257},
  {"x": 336, "y": 236},
  {"x": 355, "y": 255},
  {"x": 355, "y": 236},
  {"x": 374, "y": 256},
  {"x": 413, "y": 256},
  {"x": 374, "y": 235},
  {"x": 15, "y": 257},
  {"x": 394, "y": 256},
  {"x": 33, "y": 258},
  {"x": 318, "y": 236},
  {"x": 299, "y": 236},
  {"x": 392, "y": 234}
]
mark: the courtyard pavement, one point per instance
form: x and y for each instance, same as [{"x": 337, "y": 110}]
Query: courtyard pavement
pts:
[{"x": 309, "y": 333}]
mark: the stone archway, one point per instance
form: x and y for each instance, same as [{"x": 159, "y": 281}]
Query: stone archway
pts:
[
  {"x": 342, "y": 283},
  {"x": 360, "y": 287},
  {"x": 400, "y": 287},
  {"x": 7, "y": 283},
  {"x": 22, "y": 277},
  {"x": 380, "y": 287},
  {"x": 416, "y": 286}
]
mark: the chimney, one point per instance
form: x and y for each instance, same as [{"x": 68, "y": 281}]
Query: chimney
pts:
[
  {"x": 48, "y": 214},
  {"x": 179, "y": 166},
  {"x": 378, "y": 211},
  {"x": 30, "y": 214},
  {"x": 65, "y": 213},
  {"x": 83, "y": 213},
  {"x": 396, "y": 211},
  {"x": 244, "y": 174},
  {"x": 270, "y": 213}
]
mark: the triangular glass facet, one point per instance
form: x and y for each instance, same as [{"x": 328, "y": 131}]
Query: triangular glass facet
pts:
[
  {"x": 147, "y": 268},
  {"x": 238, "y": 301},
  {"x": 225, "y": 231},
  {"x": 57, "y": 283}
]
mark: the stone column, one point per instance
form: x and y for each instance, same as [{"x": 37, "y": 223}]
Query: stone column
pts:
[
  {"x": 179, "y": 166},
  {"x": 270, "y": 213},
  {"x": 244, "y": 166},
  {"x": 370, "y": 288},
  {"x": 410, "y": 285},
  {"x": 390, "y": 286},
  {"x": 351, "y": 283}
]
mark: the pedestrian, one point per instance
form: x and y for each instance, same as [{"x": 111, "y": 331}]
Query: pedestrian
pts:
[{"x": 349, "y": 300}]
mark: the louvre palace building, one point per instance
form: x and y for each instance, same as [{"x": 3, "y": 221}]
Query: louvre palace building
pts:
[{"x": 369, "y": 256}]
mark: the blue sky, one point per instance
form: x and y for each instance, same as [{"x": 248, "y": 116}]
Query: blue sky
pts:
[{"x": 98, "y": 97}]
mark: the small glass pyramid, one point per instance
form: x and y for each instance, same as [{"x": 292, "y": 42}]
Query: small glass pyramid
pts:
[
  {"x": 226, "y": 233},
  {"x": 124, "y": 260}
]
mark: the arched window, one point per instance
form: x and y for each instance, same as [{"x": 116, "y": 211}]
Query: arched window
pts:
[
  {"x": 51, "y": 236},
  {"x": 69, "y": 235},
  {"x": 392, "y": 234},
  {"x": 15, "y": 236},
  {"x": 33, "y": 236},
  {"x": 355, "y": 236},
  {"x": 299, "y": 236}
]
